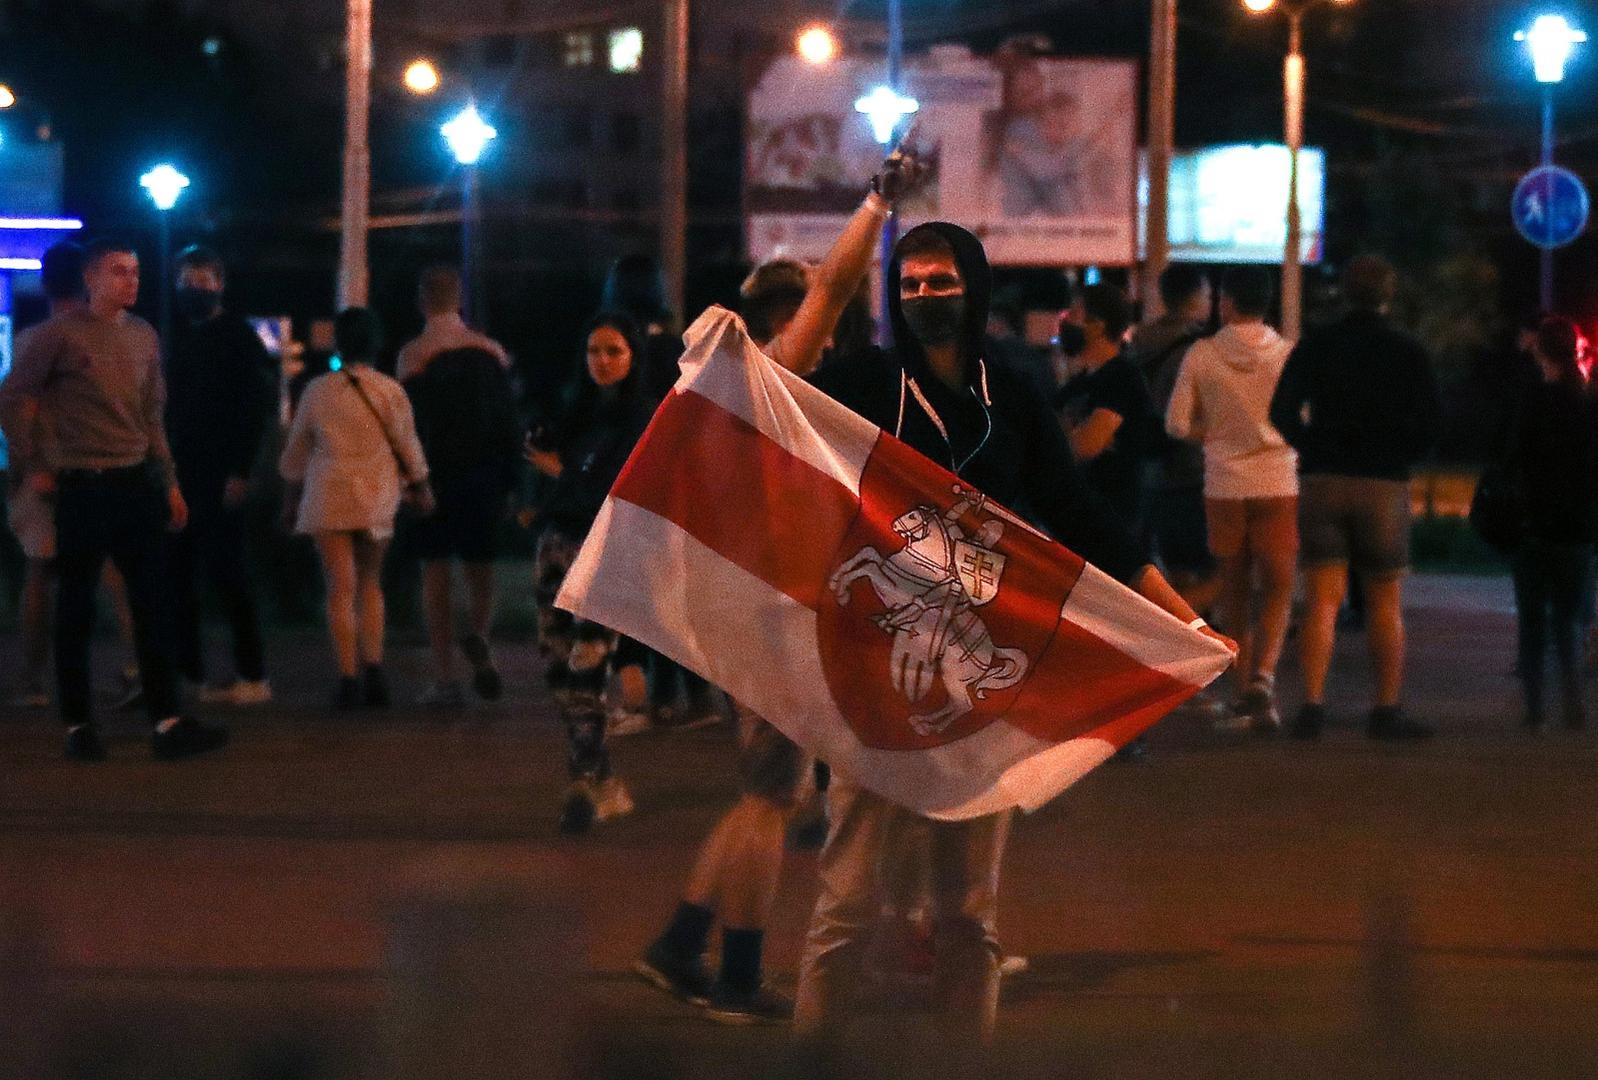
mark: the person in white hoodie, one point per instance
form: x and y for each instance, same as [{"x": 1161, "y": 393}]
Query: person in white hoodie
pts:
[{"x": 1222, "y": 400}]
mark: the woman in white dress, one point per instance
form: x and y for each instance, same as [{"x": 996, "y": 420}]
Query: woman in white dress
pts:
[{"x": 351, "y": 454}]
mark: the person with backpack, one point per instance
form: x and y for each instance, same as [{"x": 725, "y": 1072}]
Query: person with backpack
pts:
[{"x": 470, "y": 430}]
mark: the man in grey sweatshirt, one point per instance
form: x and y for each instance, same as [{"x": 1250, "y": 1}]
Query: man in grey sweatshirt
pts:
[{"x": 92, "y": 379}]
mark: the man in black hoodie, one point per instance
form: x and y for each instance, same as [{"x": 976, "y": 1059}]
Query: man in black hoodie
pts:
[
  {"x": 221, "y": 388},
  {"x": 992, "y": 427}
]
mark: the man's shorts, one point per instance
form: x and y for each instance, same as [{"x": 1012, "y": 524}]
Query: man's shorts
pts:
[
  {"x": 1253, "y": 526},
  {"x": 466, "y": 521},
  {"x": 1176, "y": 521},
  {"x": 1355, "y": 521},
  {"x": 770, "y": 765},
  {"x": 32, "y": 520}
]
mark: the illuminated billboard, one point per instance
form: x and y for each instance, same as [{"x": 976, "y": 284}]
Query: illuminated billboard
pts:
[{"x": 1228, "y": 204}]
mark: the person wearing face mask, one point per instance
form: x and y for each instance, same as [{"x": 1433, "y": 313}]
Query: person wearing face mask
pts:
[
  {"x": 1105, "y": 407},
  {"x": 935, "y": 391},
  {"x": 221, "y": 392}
]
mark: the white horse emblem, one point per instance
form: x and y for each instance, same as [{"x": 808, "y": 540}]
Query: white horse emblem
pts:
[{"x": 932, "y": 588}]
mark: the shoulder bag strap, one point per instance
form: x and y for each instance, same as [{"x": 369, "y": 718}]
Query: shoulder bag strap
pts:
[{"x": 399, "y": 460}]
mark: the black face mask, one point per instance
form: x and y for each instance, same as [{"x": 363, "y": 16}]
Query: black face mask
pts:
[
  {"x": 935, "y": 320},
  {"x": 1072, "y": 338},
  {"x": 197, "y": 304}
]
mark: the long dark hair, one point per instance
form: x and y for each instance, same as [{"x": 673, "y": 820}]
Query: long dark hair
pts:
[{"x": 589, "y": 395}]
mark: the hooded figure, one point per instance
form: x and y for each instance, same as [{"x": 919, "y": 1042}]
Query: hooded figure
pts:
[
  {"x": 992, "y": 427},
  {"x": 986, "y": 423},
  {"x": 1223, "y": 397}
]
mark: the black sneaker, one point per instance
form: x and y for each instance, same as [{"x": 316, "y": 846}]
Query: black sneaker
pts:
[
  {"x": 1389, "y": 724},
  {"x": 577, "y": 810},
  {"x": 186, "y": 738},
  {"x": 374, "y": 689},
  {"x": 83, "y": 743},
  {"x": 347, "y": 698},
  {"x": 760, "y": 1006},
  {"x": 485, "y": 679},
  {"x": 1309, "y": 721},
  {"x": 684, "y": 978},
  {"x": 131, "y": 699}
]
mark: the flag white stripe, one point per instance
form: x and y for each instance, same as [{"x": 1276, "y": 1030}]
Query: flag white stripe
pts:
[
  {"x": 802, "y": 420},
  {"x": 761, "y": 646},
  {"x": 1148, "y": 634}
]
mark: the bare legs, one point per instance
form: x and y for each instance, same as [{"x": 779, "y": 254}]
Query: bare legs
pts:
[
  {"x": 1384, "y": 626},
  {"x": 352, "y": 566}
]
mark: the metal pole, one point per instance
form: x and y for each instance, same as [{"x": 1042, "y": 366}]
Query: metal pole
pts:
[
  {"x": 1292, "y": 253},
  {"x": 1162, "y": 145},
  {"x": 890, "y": 227},
  {"x": 166, "y": 278},
  {"x": 471, "y": 229},
  {"x": 674, "y": 163},
  {"x": 353, "y": 275},
  {"x": 1546, "y": 293}
]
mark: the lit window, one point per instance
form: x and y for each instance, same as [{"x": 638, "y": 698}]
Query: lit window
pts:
[
  {"x": 626, "y": 49},
  {"x": 578, "y": 49}
]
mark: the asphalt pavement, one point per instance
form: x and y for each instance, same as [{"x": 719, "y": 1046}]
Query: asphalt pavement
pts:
[{"x": 365, "y": 896}]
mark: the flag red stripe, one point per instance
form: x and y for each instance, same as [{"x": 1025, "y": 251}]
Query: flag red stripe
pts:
[
  {"x": 740, "y": 493},
  {"x": 1082, "y": 683}
]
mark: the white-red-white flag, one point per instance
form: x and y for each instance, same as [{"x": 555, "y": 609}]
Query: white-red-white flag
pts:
[{"x": 924, "y": 641}]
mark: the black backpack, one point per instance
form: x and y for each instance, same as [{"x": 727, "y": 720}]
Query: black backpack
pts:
[{"x": 466, "y": 415}]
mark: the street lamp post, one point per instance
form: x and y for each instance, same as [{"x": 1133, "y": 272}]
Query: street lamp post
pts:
[
  {"x": 886, "y": 108},
  {"x": 165, "y": 185},
  {"x": 1293, "y": 71},
  {"x": 354, "y": 275},
  {"x": 1551, "y": 41},
  {"x": 468, "y": 135}
]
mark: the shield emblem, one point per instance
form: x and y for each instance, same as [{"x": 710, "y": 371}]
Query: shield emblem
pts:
[{"x": 979, "y": 569}]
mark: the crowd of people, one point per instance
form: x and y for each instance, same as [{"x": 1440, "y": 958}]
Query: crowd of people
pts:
[{"x": 1213, "y": 469}]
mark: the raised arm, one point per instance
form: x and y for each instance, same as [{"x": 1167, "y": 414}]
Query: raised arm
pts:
[{"x": 833, "y": 283}]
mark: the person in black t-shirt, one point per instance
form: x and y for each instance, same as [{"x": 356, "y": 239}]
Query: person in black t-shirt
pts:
[{"x": 1105, "y": 408}]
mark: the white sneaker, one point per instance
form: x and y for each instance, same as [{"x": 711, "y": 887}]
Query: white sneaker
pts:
[
  {"x": 443, "y": 695},
  {"x": 209, "y": 693},
  {"x": 621, "y": 722},
  {"x": 611, "y": 800},
  {"x": 1010, "y": 966},
  {"x": 251, "y": 692}
]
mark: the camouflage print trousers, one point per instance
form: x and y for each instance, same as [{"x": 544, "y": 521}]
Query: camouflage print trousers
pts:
[{"x": 581, "y": 656}]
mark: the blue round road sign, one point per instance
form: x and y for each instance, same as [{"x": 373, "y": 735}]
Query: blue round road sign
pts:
[{"x": 1550, "y": 206}]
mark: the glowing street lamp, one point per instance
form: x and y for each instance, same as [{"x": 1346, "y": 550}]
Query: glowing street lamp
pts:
[
  {"x": 468, "y": 135},
  {"x": 165, "y": 185},
  {"x": 817, "y": 45},
  {"x": 886, "y": 109},
  {"x": 1551, "y": 41},
  {"x": 421, "y": 77},
  {"x": 8, "y": 97}
]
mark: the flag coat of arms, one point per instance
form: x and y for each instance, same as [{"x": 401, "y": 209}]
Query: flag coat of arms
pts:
[{"x": 924, "y": 641}]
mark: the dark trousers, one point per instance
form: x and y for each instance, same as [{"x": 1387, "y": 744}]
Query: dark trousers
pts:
[
  {"x": 1549, "y": 581},
  {"x": 119, "y": 515},
  {"x": 214, "y": 541}
]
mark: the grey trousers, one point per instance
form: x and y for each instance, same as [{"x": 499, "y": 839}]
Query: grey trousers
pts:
[{"x": 866, "y": 832}]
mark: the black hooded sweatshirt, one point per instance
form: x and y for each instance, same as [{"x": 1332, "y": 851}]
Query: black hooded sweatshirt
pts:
[{"x": 1024, "y": 461}]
